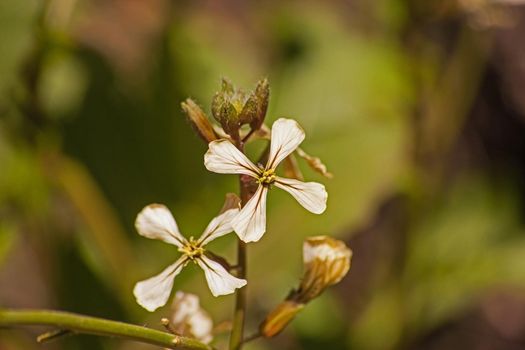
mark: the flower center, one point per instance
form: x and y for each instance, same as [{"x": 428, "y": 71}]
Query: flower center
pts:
[
  {"x": 192, "y": 249},
  {"x": 267, "y": 177}
]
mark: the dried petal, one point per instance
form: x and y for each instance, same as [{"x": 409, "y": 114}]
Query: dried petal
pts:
[
  {"x": 326, "y": 262},
  {"x": 291, "y": 168},
  {"x": 314, "y": 163},
  {"x": 199, "y": 120},
  {"x": 279, "y": 318}
]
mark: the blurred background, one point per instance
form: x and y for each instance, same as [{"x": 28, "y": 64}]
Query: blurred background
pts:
[{"x": 417, "y": 107}]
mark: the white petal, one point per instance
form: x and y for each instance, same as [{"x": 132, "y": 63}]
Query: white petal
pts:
[
  {"x": 190, "y": 318},
  {"x": 219, "y": 226},
  {"x": 156, "y": 222},
  {"x": 250, "y": 223},
  {"x": 201, "y": 326},
  {"x": 287, "y": 135},
  {"x": 155, "y": 291},
  {"x": 224, "y": 158},
  {"x": 324, "y": 248},
  {"x": 311, "y": 195},
  {"x": 184, "y": 305},
  {"x": 220, "y": 281}
]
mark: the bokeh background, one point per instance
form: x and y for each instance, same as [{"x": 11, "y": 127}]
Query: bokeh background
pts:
[{"x": 417, "y": 107}]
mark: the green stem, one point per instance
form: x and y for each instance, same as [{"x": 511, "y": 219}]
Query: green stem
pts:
[
  {"x": 237, "y": 334},
  {"x": 240, "y": 302},
  {"x": 97, "y": 326}
]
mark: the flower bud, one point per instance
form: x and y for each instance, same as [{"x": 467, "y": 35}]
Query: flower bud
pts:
[
  {"x": 189, "y": 319},
  {"x": 223, "y": 107},
  {"x": 326, "y": 261},
  {"x": 233, "y": 108},
  {"x": 254, "y": 110},
  {"x": 279, "y": 318},
  {"x": 199, "y": 120}
]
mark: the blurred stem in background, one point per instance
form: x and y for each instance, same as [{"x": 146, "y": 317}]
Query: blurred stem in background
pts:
[
  {"x": 103, "y": 227},
  {"x": 102, "y": 223},
  {"x": 446, "y": 105}
]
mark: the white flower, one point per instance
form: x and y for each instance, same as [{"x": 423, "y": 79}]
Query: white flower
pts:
[
  {"x": 190, "y": 319},
  {"x": 223, "y": 157},
  {"x": 155, "y": 221}
]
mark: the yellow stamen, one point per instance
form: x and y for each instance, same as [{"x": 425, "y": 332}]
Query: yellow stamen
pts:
[
  {"x": 267, "y": 177},
  {"x": 192, "y": 249}
]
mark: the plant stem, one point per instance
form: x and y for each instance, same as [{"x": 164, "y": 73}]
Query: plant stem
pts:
[
  {"x": 240, "y": 302},
  {"x": 239, "y": 315},
  {"x": 97, "y": 326}
]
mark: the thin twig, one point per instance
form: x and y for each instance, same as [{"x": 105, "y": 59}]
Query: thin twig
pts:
[
  {"x": 252, "y": 337},
  {"x": 52, "y": 335},
  {"x": 167, "y": 324},
  {"x": 248, "y": 135}
]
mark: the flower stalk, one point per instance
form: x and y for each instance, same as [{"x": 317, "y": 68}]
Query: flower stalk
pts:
[
  {"x": 239, "y": 315},
  {"x": 76, "y": 323}
]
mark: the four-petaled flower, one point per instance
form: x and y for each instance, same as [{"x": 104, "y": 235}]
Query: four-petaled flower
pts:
[
  {"x": 155, "y": 221},
  {"x": 223, "y": 157}
]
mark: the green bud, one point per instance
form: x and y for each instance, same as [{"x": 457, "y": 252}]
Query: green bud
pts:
[
  {"x": 227, "y": 86},
  {"x": 249, "y": 111},
  {"x": 233, "y": 108},
  {"x": 262, "y": 91}
]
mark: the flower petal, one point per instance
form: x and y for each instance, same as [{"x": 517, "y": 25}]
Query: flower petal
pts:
[
  {"x": 250, "y": 223},
  {"x": 219, "y": 226},
  {"x": 155, "y": 291},
  {"x": 220, "y": 281},
  {"x": 156, "y": 222},
  {"x": 190, "y": 319},
  {"x": 224, "y": 158},
  {"x": 287, "y": 135},
  {"x": 201, "y": 326},
  {"x": 311, "y": 195}
]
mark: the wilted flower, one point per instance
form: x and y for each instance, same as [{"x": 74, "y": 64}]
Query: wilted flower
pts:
[
  {"x": 280, "y": 317},
  {"x": 326, "y": 262},
  {"x": 199, "y": 121},
  {"x": 155, "y": 221},
  {"x": 189, "y": 319},
  {"x": 314, "y": 163},
  {"x": 223, "y": 157}
]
